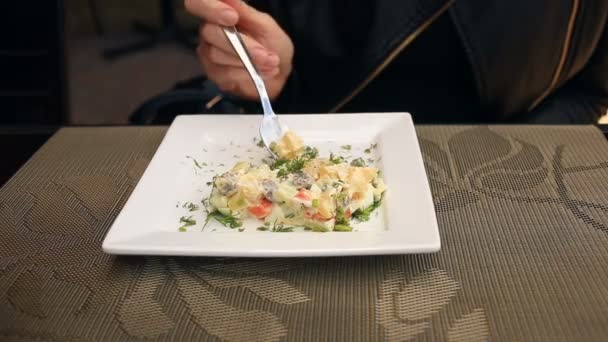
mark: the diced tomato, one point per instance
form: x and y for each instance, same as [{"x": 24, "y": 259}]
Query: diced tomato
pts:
[
  {"x": 261, "y": 210},
  {"x": 304, "y": 195},
  {"x": 348, "y": 214}
]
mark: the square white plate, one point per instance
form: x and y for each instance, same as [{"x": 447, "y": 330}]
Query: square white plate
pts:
[{"x": 197, "y": 147}]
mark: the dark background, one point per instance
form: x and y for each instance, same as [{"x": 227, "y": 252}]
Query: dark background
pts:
[{"x": 55, "y": 72}]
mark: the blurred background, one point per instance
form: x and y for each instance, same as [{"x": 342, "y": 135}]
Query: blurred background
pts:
[{"x": 90, "y": 62}]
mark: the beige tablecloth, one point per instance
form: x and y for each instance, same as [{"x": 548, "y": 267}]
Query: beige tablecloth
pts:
[{"x": 523, "y": 217}]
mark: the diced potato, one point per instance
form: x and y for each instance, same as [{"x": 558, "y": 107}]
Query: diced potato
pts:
[
  {"x": 288, "y": 146},
  {"x": 261, "y": 172},
  {"x": 225, "y": 211},
  {"x": 315, "y": 190},
  {"x": 320, "y": 226},
  {"x": 379, "y": 188},
  {"x": 340, "y": 171},
  {"x": 237, "y": 202},
  {"x": 285, "y": 192},
  {"x": 360, "y": 177},
  {"x": 241, "y": 166},
  {"x": 326, "y": 206},
  {"x": 313, "y": 167},
  {"x": 249, "y": 187},
  {"x": 276, "y": 215},
  {"x": 362, "y": 200},
  {"x": 217, "y": 201}
]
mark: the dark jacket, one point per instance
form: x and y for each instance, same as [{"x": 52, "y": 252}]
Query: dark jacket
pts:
[{"x": 540, "y": 61}]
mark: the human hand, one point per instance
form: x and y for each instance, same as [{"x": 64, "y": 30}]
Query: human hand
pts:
[{"x": 269, "y": 46}]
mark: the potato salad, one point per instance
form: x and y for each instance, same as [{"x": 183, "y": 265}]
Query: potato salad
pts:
[{"x": 297, "y": 189}]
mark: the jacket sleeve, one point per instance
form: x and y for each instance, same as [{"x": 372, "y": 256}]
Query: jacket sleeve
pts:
[
  {"x": 324, "y": 48},
  {"x": 584, "y": 99}
]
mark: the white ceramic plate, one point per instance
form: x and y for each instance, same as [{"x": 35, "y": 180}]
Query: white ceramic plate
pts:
[{"x": 197, "y": 147}]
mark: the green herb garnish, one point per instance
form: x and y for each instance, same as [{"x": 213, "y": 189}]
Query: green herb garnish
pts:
[
  {"x": 196, "y": 163},
  {"x": 190, "y": 206},
  {"x": 340, "y": 218},
  {"x": 187, "y": 221},
  {"x": 282, "y": 229},
  {"x": 346, "y": 147},
  {"x": 370, "y": 148},
  {"x": 342, "y": 228},
  {"x": 315, "y": 203},
  {"x": 358, "y": 162},
  {"x": 260, "y": 143},
  {"x": 309, "y": 153},
  {"x": 287, "y": 166},
  {"x": 225, "y": 220},
  {"x": 276, "y": 228},
  {"x": 363, "y": 215},
  {"x": 336, "y": 159}
]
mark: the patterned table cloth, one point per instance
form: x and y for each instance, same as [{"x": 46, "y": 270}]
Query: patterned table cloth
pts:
[{"x": 523, "y": 217}]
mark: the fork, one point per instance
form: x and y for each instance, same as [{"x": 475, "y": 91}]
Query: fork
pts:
[{"x": 271, "y": 129}]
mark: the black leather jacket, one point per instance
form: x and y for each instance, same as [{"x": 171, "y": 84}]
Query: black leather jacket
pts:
[{"x": 540, "y": 61}]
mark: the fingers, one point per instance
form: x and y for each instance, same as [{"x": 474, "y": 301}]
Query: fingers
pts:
[
  {"x": 230, "y": 78},
  {"x": 220, "y": 57},
  {"x": 213, "y": 11},
  {"x": 251, "y": 19},
  {"x": 210, "y": 55},
  {"x": 213, "y": 36}
]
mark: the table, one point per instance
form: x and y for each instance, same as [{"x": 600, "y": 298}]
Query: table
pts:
[
  {"x": 18, "y": 144},
  {"x": 523, "y": 217}
]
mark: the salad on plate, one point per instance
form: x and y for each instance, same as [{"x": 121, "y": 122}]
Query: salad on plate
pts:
[{"x": 296, "y": 189}]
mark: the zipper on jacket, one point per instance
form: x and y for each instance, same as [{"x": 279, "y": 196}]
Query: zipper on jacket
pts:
[
  {"x": 562, "y": 60},
  {"x": 392, "y": 55}
]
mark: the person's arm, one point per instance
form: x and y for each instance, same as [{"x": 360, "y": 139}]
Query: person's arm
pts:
[{"x": 584, "y": 99}]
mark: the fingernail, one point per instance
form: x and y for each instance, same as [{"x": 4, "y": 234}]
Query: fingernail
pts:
[{"x": 229, "y": 17}]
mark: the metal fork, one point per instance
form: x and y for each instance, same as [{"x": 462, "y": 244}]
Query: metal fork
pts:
[{"x": 270, "y": 128}]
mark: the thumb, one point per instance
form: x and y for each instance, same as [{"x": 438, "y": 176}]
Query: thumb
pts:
[{"x": 250, "y": 18}]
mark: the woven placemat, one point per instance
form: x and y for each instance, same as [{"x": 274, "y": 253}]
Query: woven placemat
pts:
[{"x": 523, "y": 216}]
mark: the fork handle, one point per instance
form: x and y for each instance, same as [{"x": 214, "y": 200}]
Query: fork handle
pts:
[{"x": 237, "y": 43}]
